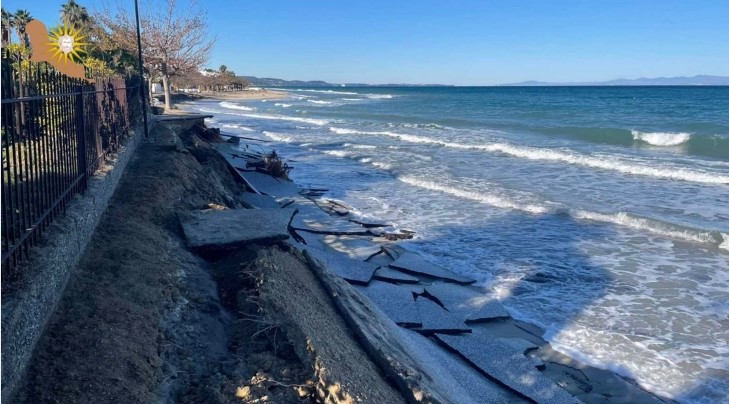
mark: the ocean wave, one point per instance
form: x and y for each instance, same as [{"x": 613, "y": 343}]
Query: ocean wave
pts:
[
  {"x": 423, "y": 126},
  {"x": 319, "y": 102},
  {"x": 345, "y": 131},
  {"x": 230, "y": 105},
  {"x": 381, "y": 165},
  {"x": 338, "y": 153},
  {"x": 279, "y": 137},
  {"x": 489, "y": 199},
  {"x": 379, "y": 96},
  {"x": 359, "y": 146},
  {"x": 673, "y": 173},
  {"x": 716, "y": 145},
  {"x": 281, "y": 104},
  {"x": 569, "y": 157},
  {"x": 327, "y": 91},
  {"x": 352, "y": 99},
  {"x": 661, "y": 138},
  {"x": 313, "y": 121},
  {"x": 236, "y": 126},
  {"x": 653, "y": 226}
]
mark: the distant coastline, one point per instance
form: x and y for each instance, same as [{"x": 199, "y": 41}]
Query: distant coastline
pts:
[{"x": 699, "y": 80}]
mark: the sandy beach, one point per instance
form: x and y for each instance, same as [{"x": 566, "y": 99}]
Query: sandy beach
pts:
[{"x": 245, "y": 94}]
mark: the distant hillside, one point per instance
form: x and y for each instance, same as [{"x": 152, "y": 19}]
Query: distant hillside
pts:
[
  {"x": 271, "y": 82},
  {"x": 701, "y": 80}
]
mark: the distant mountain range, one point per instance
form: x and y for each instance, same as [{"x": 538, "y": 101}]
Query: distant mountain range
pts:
[
  {"x": 702, "y": 80},
  {"x": 271, "y": 82}
]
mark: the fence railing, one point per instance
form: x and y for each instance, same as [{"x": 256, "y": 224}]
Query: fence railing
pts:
[{"x": 56, "y": 130}]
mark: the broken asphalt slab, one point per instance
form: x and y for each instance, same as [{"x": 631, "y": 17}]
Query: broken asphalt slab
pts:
[
  {"x": 396, "y": 301},
  {"x": 265, "y": 184},
  {"x": 392, "y": 275},
  {"x": 413, "y": 263},
  {"x": 320, "y": 222},
  {"x": 228, "y": 229},
  {"x": 258, "y": 201},
  {"x": 353, "y": 271},
  {"x": 437, "y": 319},
  {"x": 356, "y": 247},
  {"x": 470, "y": 305},
  {"x": 505, "y": 362}
]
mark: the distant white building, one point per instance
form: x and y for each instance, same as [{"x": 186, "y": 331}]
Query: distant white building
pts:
[{"x": 157, "y": 88}]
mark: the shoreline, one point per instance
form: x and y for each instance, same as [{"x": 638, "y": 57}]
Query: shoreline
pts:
[
  {"x": 243, "y": 95},
  {"x": 585, "y": 382}
]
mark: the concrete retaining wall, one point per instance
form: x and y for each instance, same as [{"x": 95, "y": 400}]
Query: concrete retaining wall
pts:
[{"x": 29, "y": 305}]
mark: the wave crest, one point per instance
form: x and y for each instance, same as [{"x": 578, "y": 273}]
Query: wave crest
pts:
[
  {"x": 569, "y": 157},
  {"x": 656, "y": 227},
  {"x": 230, "y": 105},
  {"x": 661, "y": 138},
  {"x": 489, "y": 199}
]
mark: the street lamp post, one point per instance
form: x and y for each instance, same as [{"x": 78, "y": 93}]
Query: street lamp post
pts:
[{"x": 141, "y": 71}]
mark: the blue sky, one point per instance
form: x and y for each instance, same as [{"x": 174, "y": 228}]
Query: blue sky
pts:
[{"x": 460, "y": 42}]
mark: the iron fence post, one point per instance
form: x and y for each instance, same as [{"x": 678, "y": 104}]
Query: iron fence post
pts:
[{"x": 81, "y": 139}]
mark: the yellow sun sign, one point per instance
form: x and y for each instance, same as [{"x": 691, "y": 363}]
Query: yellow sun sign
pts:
[{"x": 67, "y": 43}]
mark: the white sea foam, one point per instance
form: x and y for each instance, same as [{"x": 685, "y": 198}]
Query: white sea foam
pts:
[
  {"x": 281, "y": 104},
  {"x": 569, "y": 157},
  {"x": 379, "y": 96},
  {"x": 328, "y": 91},
  {"x": 338, "y": 153},
  {"x": 652, "y": 226},
  {"x": 359, "y": 146},
  {"x": 230, "y": 105},
  {"x": 634, "y": 360},
  {"x": 489, "y": 199},
  {"x": 724, "y": 244},
  {"x": 352, "y": 99},
  {"x": 381, "y": 165},
  {"x": 422, "y": 125},
  {"x": 319, "y": 102},
  {"x": 279, "y": 137},
  {"x": 674, "y": 173},
  {"x": 661, "y": 138},
  {"x": 345, "y": 131},
  {"x": 236, "y": 126},
  {"x": 314, "y": 121}
]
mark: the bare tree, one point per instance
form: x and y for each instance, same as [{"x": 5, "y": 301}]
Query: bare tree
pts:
[{"x": 175, "y": 40}]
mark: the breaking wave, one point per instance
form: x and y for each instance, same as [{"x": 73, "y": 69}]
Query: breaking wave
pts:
[
  {"x": 661, "y": 138},
  {"x": 327, "y": 91},
  {"x": 489, "y": 199},
  {"x": 230, "y": 105},
  {"x": 313, "y": 121},
  {"x": 569, "y": 157},
  {"x": 653, "y": 226}
]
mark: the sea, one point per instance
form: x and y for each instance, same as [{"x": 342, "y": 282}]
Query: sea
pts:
[{"x": 600, "y": 214}]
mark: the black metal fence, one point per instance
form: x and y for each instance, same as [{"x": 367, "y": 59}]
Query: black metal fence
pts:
[{"x": 56, "y": 130}]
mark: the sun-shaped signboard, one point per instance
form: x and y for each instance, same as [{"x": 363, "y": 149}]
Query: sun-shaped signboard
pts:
[{"x": 66, "y": 43}]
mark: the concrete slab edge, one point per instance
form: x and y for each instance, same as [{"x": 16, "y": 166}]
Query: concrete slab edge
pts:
[{"x": 376, "y": 332}]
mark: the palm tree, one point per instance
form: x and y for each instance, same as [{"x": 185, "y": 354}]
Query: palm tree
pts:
[
  {"x": 74, "y": 14},
  {"x": 20, "y": 21},
  {"x": 7, "y": 26}
]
